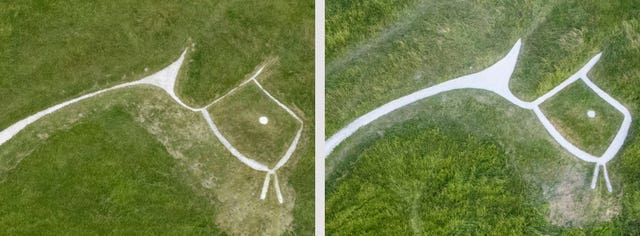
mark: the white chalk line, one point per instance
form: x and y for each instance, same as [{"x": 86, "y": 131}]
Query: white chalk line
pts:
[
  {"x": 232, "y": 91},
  {"x": 248, "y": 161},
  {"x": 158, "y": 79},
  {"x": 166, "y": 80},
  {"x": 496, "y": 79}
]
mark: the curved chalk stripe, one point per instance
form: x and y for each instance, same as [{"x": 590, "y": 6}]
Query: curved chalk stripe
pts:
[
  {"x": 159, "y": 79},
  {"x": 561, "y": 140},
  {"x": 294, "y": 143},
  {"x": 242, "y": 158},
  {"x": 622, "y": 133},
  {"x": 166, "y": 79},
  {"x": 496, "y": 79},
  {"x": 246, "y": 160}
]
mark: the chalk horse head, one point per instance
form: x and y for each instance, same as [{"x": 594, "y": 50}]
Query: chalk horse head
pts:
[{"x": 496, "y": 79}]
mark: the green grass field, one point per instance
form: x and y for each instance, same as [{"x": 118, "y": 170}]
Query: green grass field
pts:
[
  {"x": 54, "y": 51},
  {"x": 140, "y": 189},
  {"x": 469, "y": 161},
  {"x": 458, "y": 186}
]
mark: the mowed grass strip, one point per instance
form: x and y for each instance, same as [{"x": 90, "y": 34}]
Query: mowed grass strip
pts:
[
  {"x": 91, "y": 180},
  {"x": 237, "y": 117},
  {"x": 568, "y": 109}
]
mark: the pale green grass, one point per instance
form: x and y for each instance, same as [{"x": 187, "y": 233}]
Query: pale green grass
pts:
[
  {"x": 568, "y": 109},
  {"x": 237, "y": 114},
  {"x": 389, "y": 153}
]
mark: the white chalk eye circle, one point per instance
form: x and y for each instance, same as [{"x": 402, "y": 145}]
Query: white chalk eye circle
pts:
[
  {"x": 591, "y": 114},
  {"x": 263, "y": 120}
]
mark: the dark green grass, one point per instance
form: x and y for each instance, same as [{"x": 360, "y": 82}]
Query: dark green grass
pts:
[
  {"x": 53, "y": 51},
  {"x": 568, "y": 112},
  {"x": 210, "y": 169},
  {"x": 236, "y": 116},
  {"x": 429, "y": 42},
  {"x": 89, "y": 180},
  {"x": 459, "y": 185}
]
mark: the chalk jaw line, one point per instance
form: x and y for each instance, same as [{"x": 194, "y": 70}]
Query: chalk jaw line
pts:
[{"x": 496, "y": 79}]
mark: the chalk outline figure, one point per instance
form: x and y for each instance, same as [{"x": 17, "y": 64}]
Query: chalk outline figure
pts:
[
  {"x": 166, "y": 79},
  {"x": 496, "y": 79}
]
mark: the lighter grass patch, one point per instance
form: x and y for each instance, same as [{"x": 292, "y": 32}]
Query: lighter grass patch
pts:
[
  {"x": 238, "y": 118},
  {"x": 631, "y": 32},
  {"x": 233, "y": 186},
  {"x": 568, "y": 111},
  {"x": 573, "y": 205},
  {"x": 572, "y": 40},
  {"x": 210, "y": 170}
]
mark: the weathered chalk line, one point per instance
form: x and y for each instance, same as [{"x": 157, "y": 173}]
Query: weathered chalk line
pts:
[
  {"x": 166, "y": 80},
  {"x": 496, "y": 79}
]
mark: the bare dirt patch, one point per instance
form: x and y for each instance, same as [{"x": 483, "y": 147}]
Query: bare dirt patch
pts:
[
  {"x": 571, "y": 204},
  {"x": 232, "y": 186}
]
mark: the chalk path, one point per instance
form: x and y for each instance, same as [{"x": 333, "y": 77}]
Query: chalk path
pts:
[
  {"x": 166, "y": 80},
  {"x": 496, "y": 79}
]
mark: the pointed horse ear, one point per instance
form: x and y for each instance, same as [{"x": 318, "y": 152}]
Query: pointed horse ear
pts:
[
  {"x": 496, "y": 77},
  {"x": 502, "y": 70}
]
